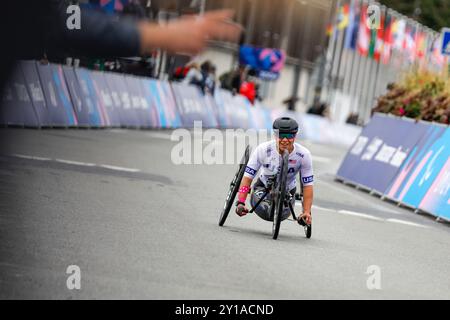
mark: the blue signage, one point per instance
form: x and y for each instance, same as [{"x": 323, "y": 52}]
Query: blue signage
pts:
[{"x": 446, "y": 42}]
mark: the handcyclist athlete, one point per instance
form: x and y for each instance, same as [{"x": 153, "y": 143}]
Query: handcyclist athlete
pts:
[{"x": 266, "y": 159}]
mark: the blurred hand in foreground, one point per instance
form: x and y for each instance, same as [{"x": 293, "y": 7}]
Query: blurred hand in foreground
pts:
[{"x": 189, "y": 34}]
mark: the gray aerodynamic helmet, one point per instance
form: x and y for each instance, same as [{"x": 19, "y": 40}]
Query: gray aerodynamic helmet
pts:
[{"x": 285, "y": 125}]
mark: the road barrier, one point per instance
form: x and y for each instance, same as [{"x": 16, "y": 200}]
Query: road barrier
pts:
[
  {"x": 60, "y": 96},
  {"x": 404, "y": 161}
]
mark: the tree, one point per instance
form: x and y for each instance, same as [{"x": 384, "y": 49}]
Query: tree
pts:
[{"x": 432, "y": 13}]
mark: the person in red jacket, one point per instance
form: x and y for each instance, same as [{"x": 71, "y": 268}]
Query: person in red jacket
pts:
[{"x": 248, "y": 89}]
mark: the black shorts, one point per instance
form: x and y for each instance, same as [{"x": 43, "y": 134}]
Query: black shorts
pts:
[{"x": 263, "y": 209}]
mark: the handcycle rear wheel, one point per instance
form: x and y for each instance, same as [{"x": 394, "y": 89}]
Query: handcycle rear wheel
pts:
[
  {"x": 280, "y": 196},
  {"x": 234, "y": 187}
]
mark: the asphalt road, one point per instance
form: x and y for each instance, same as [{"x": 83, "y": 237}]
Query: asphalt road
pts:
[{"x": 138, "y": 226}]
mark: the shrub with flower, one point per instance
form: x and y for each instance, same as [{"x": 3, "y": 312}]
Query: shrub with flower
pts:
[{"x": 420, "y": 95}]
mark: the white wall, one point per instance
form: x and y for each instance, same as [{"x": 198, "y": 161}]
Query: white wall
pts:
[
  {"x": 281, "y": 89},
  {"x": 222, "y": 59}
]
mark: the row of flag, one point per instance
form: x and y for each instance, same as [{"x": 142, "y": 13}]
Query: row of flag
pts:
[{"x": 395, "y": 35}]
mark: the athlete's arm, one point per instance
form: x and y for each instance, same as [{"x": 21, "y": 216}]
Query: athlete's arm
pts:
[
  {"x": 251, "y": 169},
  {"x": 307, "y": 176},
  {"x": 308, "y": 195},
  {"x": 245, "y": 185}
]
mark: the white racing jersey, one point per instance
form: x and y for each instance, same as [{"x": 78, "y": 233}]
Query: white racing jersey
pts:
[{"x": 266, "y": 159}]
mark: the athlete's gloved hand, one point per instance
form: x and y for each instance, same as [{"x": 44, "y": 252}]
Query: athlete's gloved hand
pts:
[
  {"x": 241, "y": 210},
  {"x": 305, "y": 219}
]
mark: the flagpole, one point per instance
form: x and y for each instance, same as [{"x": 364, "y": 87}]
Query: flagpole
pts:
[
  {"x": 366, "y": 85},
  {"x": 323, "y": 68},
  {"x": 341, "y": 60},
  {"x": 348, "y": 45},
  {"x": 335, "y": 80},
  {"x": 366, "y": 74},
  {"x": 355, "y": 79},
  {"x": 333, "y": 54},
  {"x": 349, "y": 71},
  {"x": 381, "y": 72},
  {"x": 377, "y": 72},
  {"x": 370, "y": 75}
]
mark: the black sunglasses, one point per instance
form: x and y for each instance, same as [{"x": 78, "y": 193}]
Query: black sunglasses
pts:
[{"x": 286, "y": 135}]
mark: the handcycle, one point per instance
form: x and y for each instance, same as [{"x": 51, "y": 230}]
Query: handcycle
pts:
[{"x": 276, "y": 187}]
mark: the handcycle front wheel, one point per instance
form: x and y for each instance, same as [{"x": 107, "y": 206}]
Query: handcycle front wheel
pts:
[
  {"x": 234, "y": 187},
  {"x": 280, "y": 196},
  {"x": 308, "y": 231},
  {"x": 307, "y": 228}
]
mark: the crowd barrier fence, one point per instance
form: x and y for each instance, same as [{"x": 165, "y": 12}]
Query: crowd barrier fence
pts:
[
  {"x": 404, "y": 161},
  {"x": 51, "y": 95}
]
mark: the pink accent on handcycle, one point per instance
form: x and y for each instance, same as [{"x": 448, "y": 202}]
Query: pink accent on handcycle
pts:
[{"x": 244, "y": 189}]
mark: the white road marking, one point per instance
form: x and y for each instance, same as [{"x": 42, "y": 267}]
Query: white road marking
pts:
[
  {"x": 76, "y": 163},
  {"x": 406, "y": 223},
  {"x": 360, "y": 197},
  {"x": 321, "y": 159},
  {"x": 383, "y": 208},
  {"x": 324, "y": 209},
  {"x": 118, "y": 168},
  {"x": 31, "y": 157},
  {"x": 159, "y": 135},
  {"x": 359, "y": 214}
]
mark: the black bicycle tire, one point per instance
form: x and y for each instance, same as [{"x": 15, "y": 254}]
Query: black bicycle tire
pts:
[
  {"x": 281, "y": 196},
  {"x": 234, "y": 187},
  {"x": 308, "y": 232}
]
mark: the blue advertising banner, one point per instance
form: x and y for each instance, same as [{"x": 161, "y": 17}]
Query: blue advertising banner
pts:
[
  {"x": 35, "y": 90},
  {"x": 105, "y": 100},
  {"x": 139, "y": 103},
  {"x": 268, "y": 62},
  {"x": 192, "y": 107},
  {"x": 129, "y": 117},
  {"x": 221, "y": 97},
  {"x": 164, "y": 108},
  {"x": 57, "y": 95},
  {"x": 375, "y": 158},
  {"x": 149, "y": 107},
  {"x": 437, "y": 169},
  {"x": 16, "y": 106},
  {"x": 261, "y": 117},
  {"x": 239, "y": 106},
  {"x": 409, "y": 186},
  {"x": 122, "y": 100},
  {"x": 96, "y": 112},
  {"x": 232, "y": 111},
  {"x": 79, "y": 106},
  {"x": 211, "y": 105}
]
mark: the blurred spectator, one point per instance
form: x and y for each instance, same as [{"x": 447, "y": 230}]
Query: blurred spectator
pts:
[
  {"x": 210, "y": 81},
  {"x": 238, "y": 78},
  {"x": 258, "y": 95},
  {"x": 248, "y": 89},
  {"x": 42, "y": 28},
  {"x": 319, "y": 108},
  {"x": 291, "y": 102},
  {"x": 180, "y": 73},
  {"x": 135, "y": 9},
  {"x": 232, "y": 80},
  {"x": 204, "y": 78},
  {"x": 193, "y": 75},
  {"x": 225, "y": 80},
  {"x": 352, "y": 118}
]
